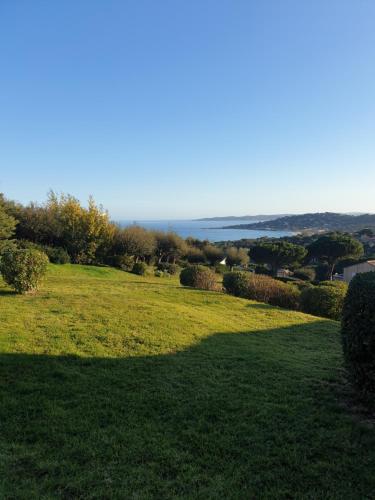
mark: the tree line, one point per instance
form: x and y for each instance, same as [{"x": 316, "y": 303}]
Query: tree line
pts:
[{"x": 86, "y": 235}]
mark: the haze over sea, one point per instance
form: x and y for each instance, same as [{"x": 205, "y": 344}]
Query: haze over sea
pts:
[{"x": 206, "y": 230}]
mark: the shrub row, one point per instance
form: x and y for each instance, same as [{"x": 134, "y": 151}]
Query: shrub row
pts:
[
  {"x": 324, "y": 300},
  {"x": 261, "y": 288}
]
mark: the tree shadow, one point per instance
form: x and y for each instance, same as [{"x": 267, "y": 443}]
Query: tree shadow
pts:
[
  {"x": 239, "y": 415},
  {"x": 5, "y": 292}
]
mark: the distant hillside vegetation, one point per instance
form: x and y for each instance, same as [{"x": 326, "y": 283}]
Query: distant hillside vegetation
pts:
[
  {"x": 243, "y": 217},
  {"x": 318, "y": 221}
]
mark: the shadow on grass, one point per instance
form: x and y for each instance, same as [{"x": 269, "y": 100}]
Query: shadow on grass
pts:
[
  {"x": 5, "y": 292},
  {"x": 236, "y": 416}
]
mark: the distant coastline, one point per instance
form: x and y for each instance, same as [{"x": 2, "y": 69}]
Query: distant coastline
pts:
[{"x": 257, "y": 218}]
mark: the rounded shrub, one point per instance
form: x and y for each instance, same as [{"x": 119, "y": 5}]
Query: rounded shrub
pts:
[
  {"x": 358, "y": 333},
  {"x": 262, "y": 289},
  {"x": 139, "y": 268},
  {"x": 235, "y": 283},
  {"x": 23, "y": 269},
  {"x": 198, "y": 277},
  {"x": 325, "y": 299}
]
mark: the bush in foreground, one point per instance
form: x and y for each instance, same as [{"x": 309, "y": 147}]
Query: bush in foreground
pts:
[
  {"x": 262, "y": 289},
  {"x": 358, "y": 333},
  {"x": 23, "y": 269},
  {"x": 326, "y": 299},
  {"x": 198, "y": 277}
]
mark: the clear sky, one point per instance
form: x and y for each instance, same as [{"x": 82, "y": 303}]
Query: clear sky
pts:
[{"x": 185, "y": 108}]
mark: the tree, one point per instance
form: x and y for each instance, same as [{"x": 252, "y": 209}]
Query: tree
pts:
[
  {"x": 236, "y": 257},
  {"x": 213, "y": 254},
  {"x": 333, "y": 247},
  {"x": 7, "y": 225},
  {"x": 169, "y": 247},
  {"x": 134, "y": 241},
  {"x": 367, "y": 231},
  {"x": 277, "y": 254}
]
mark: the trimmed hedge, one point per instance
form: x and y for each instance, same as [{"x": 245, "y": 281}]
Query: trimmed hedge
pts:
[
  {"x": 262, "y": 289},
  {"x": 198, "y": 277},
  {"x": 325, "y": 300},
  {"x": 358, "y": 333},
  {"x": 23, "y": 269}
]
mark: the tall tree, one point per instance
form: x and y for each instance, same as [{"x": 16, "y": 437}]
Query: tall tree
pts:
[
  {"x": 7, "y": 225},
  {"x": 277, "y": 254},
  {"x": 213, "y": 254},
  {"x": 236, "y": 257},
  {"x": 333, "y": 247}
]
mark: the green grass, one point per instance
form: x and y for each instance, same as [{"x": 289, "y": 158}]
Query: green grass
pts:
[{"x": 119, "y": 386}]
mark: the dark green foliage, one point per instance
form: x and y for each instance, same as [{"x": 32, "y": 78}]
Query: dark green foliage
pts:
[
  {"x": 277, "y": 254},
  {"x": 235, "y": 283},
  {"x": 198, "y": 277},
  {"x": 333, "y": 247},
  {"x": 325, "y": 300},
  {"x": 263, "y": 270},
  {"x": 23, "y": 269},
  {"x": 139, "y": 268},
  {"x": 7, "y": 226},
  {"x": 262, "y": 288},
  {"x": 123, "y": 262},
  {"x": 358, "y": 333},
  {"x": 57, "y": 255},
  {"x": 305, "y": 273},
  {"x": 167, "y": 267}
]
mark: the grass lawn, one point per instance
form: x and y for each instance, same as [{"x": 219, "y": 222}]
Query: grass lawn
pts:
[{"x": 118, "y": 386}]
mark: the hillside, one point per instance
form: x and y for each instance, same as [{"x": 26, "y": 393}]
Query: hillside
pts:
[
  {"x": 118, "y": 386},
  {"x": 243, "y": 217},
  {"x": 327, "y": 221}
]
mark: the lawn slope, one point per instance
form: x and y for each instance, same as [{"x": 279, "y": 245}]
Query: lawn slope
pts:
[{"x": 118, "y": 386}]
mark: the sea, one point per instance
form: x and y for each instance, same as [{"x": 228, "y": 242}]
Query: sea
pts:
[{"x": 206, "y": 230}]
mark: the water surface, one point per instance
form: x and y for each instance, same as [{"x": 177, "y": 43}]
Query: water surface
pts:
[{"x": 206, "y": 230}]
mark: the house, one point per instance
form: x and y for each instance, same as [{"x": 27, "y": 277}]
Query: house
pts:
[
  {"x": 283, "y": 273},
  {"x": 362, "y": 267}
]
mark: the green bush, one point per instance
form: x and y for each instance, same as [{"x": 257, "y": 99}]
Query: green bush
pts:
[
  {"x": 198, "y": 277},
  {"x": 57, "y": 255},
  {"x": 139, "y": 268},
  {"x": 167, "y": 267},
  {"x": 326, "y": 299},
  {"x": 262, "y": 289},
  {"x": 358, "y": 333},
  {"x": 123, "y": 262},
  {"x": 23, "y": 269},
  {"x": 305, "y": 273},
  {"x": 235, "y": 283}
]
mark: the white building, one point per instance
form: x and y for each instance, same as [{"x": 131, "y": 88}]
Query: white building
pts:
[{"x": 362, "y": 267}]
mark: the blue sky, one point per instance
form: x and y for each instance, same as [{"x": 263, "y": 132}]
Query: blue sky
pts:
[{"x": 179, "y": 109}]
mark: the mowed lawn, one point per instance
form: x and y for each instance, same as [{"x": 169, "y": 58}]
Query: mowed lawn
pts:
[{"x": 118, "y": 386}]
